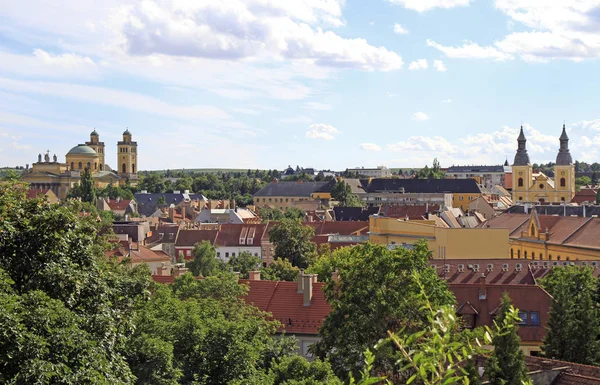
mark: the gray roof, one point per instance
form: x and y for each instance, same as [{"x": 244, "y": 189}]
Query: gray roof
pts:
[
  {"x": 147, "y": 202},
  {"x": 82, "y": 149},
  {"x": 560, "y": 210},
  {"x": 521, "y": 157},
  {"x": 563, "y": 158},
  {"x": 465, "y": 186},
  {"x": 293, "y": 189},
  {"x": 495, "y": 168}
]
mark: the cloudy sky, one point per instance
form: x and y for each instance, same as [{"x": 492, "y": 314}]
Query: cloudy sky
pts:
[{"x": 319, "y": 83}]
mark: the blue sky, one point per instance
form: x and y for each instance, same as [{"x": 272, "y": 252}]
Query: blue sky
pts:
[{"x": 319, "y": 83}]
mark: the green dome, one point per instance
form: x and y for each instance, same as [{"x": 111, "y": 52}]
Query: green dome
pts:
[
  {"x": 94, "y": 133},
  {"x": 127, "y": 132},
  {"x": 82, "y": 149}
]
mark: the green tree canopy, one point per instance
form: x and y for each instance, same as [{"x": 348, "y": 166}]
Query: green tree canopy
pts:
[
  {"x": 574, "y": 322},
  {"x": 292, "y": 241},
  {"x": 377, "y": 291},
  {"x": 280, "y": 270},
  {"x": 244, "y": 263},
  {"x": 431, "y": 173},
  {"x": 205, "y": 262},
  {"x": 506, "y": 365}
]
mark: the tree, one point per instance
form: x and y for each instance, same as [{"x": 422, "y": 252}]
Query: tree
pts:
[
  {"x": 280, "y": 270},
  {"x": 11, "y": 175},
  {"x": 67, "y": 310},
  {"x": 244, "y": 262},
  {"x": 88, "y": 190},
  {"x": 293, "y": 370},
  {"x": 294, "y": 213},
  {"x": 340, "y": 190},
  {"x": 292, "y": 241},
  {"x": 506, "y": 365},
  {"x": 573, "y": 324},
  {"x": 431, "y": 173},
  {"x": 205, "y": 262},
  {"x": 270, "y": 214},
  {"x": 377, "y": 291},
  {"x": 153, "y": 183}
]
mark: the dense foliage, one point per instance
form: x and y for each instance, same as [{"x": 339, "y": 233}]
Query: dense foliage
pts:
[
  {"x": 378, "y": 291},
  {"x": 435, "y": 172},
  {"x": 506, "y": 365},
  {"x": 280, "y": 270},
  {"x": 292, "y": 241},
  {"x": 342, "y": 193},
  {"x": 205, "y": 262},
  {"x": 574, "y": 321},
  {"x": 244, "y": 262}
]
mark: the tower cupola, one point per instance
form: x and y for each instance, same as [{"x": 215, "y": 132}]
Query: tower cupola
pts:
[
  {"x": 564, "y": 155},
  {"x": 521, "y": 157}
]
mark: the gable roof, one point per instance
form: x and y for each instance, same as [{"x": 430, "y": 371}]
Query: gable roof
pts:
[
  {"x": 286, "y": 305},
  {"x": 148, "y": 202},
  {"x": 230, "y": 234},
  {"x": 188, "y": 238},
  {"x": 414, "y": 212},
  {"x": 117, "y": 205},
  {"x": 457, "y": 186},
  {"x": 292, "y": 189}
]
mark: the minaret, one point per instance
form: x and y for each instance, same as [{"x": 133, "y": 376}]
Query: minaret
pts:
[
  {"x": 564, "y": 171},
  {"x": 522, "y": 171},
  {"x": 127, "y": 155},
  {"x": 98, "y": 146}
]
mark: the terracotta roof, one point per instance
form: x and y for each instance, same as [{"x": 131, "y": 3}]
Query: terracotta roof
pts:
[
  {"x": 585, "y": 195},
  {"x": 230, "y": 234},
  {"x": 412, "y": 212},
  {"x": 168, "y": 231},
  {"x": 566, "y": 378},
  {"x": 286, "y": 305},
  {"x": 118, "y": 205},
  {"x": 143, "y": 254},
  {"x": 34, "y": 193},
  {"x": 502, "y": 272},
  {"x": 293, "y": 189},
  {"x": 542, "y": 363},
  {"x": 188, "y": 238}
]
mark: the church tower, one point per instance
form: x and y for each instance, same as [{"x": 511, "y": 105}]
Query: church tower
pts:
[
  {"x": 522, "y": 171},
  {"x": 97, "y": 146},
  {"x": 564, "y": 171},
  {"x": 127, "y": 155}
]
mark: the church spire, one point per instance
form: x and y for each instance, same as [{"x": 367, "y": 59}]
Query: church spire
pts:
[
  {"x": 564, "y": 155},
  {"x": 521, "y": 157}
]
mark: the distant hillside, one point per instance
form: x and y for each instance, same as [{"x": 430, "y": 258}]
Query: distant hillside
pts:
[{"x": 204, "y": 170}]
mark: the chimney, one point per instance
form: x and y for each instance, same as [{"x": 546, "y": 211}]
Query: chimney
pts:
[
  {"x": 275, "y": 180},
  {"x": 300, "y": 281},
  {"x": 335, "y": 276},
  {"x": 254, "y": 275},
  {"x": 308, "y": 288},
  {"x": 172, "y": 214},
  {"x": 315, "y": 278},
  {"x": 482, "y": 287},
  {"x": 179, "y": 270},
  {"x": 183, "y": 213},
  {"x": 162, "y": 270}
]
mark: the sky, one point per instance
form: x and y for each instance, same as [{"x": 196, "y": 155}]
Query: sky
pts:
[{"x": 329, "y": 84}]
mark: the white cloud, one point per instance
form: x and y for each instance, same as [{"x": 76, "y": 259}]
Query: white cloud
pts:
[
  {"x": 420, "y": 116},
  {"x": 399, "y": 29},
  {"x": 447, "y": 101},
  {"x": 321, "y": 131},
  {"x": 554, "y": 30},
  {"x": 390, "y": 94},
  {"x": 439, "y": 65},
  {"x": 370, "y": 147},
  {"x": 587, "y": 125},
  {"x": 249, "y": 30},
  {"x": 67, "y": 60},
  {"x": 419, "y": 64},
  {"x": 470, "y": 50},
  {"x": 371, "y": 23},
  {"x": 427, "y": 5},
  {"x": 424, "y": 143},
  {"x": 317, "y": 106}
]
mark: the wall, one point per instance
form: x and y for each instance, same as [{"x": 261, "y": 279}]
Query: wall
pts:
[{"x": 444, "y": 242}]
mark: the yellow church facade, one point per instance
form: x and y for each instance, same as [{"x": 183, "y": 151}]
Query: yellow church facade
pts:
[
  {"x": 530, "y": 187},
  {"x": 47, "y": 174}
]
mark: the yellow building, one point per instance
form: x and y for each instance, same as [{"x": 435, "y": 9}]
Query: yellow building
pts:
[
  {"x": 528, "y": 186},
  {"x": 283, "y": 195},
  {"x": 550, "y": 237},
  {"x": 60, "y": 177},
  {"x": 450, "y": 243}
]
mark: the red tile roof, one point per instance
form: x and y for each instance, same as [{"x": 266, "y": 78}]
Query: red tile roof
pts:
[
  {"x": 117, "y": 205},
  {"x": 286, "y": 305},
  {"x": 36, "y": 192},
  {"x": 188, "y": 238},
  {"x": 542, "y": 363},
  {"x": 415, "y": 212},
  {"x": 585, "y": 195},
  {"x": 230, "y": 234}
]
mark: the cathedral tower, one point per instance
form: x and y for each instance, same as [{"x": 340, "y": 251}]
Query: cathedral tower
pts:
[
  {"x": 522, "y": 171},
  {"x": 97, "y": 146},
  {"x": 564, "y": 171},
  {"x": 127, "y": 155}
]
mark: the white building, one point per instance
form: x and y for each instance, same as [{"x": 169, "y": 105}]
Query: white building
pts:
[{"x": 377, "y": 172}]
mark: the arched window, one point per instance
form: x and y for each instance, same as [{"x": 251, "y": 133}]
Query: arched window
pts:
[
  {"x": 95, "y": 165},
  {"x": 520, "y": 182},
  {"x": 521, "y": 199},
  {"x": 532, "y": 255},
  {"x": 101, "y": 168},
  {"x": 558, "y": 258},
  {"x": 72, "y": 165},
  {"x": 550, "y": 256},
  {"x": 563, "y": 182},
  {"x": 568, "y": 258},
  {"x": 89, "y": 165},
  {"x": 519, "y": 254},
  {"x": 525, "y": 255},
  {"x": 80, "y": 165},
  {"x": 124, "y": 168},
  {"x": 512, "y": 253},
  {"x": 133, "y": 168}
]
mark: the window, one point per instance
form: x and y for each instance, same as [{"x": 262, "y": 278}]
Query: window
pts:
[
  {"x": 133, "y": 168},
  {"x": 188, "y": 252},
  {"x": 95, "y": 165},
  {"x": 233, "y": 254},
  {"x": 525, "y": 255},
  {"x": 541, "y": 186},
  {"x": 256, "y": 254},
  {"x": 532, "y": 255},
  {"x": 521, "y": 199},
  {"x": 286, "y": 200},
  {"x": 563, "y": 182},
  {"x": 80, "y": 165},
  {"x": 512, "y": 253},
  {"x": 550, "y": 256},
  {"x": 226, "y": 255},
  {"x": 72, "y": 165},
  {"x": 519, "y": 254},
  {"x": 218, "y": 254},
  {"x": 520, "y": 182},
  {"x": 124, "y": 168},
  {"x": 89, "y": 165},
  {"x": 171, "y": 236},
  {"x": 460, "y": 198},
  {"x": 523, "y": 317},
  {"x": 534, "y": 318},
  {"x": 558, "y": 258}
]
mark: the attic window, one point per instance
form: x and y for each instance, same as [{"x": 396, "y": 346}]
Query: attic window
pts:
[
  {"x": 171, "y": 236},
  {"x": 541, "y": 186}
]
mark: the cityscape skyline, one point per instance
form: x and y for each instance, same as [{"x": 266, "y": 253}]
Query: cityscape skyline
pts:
[{"x": 324, "y": 84}]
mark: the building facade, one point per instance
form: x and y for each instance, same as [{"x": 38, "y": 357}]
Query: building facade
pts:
[
  {"x": 377, "y": 172},
  {"x": 528, "y": 186},
  {"x": 47, "y": 174}
]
